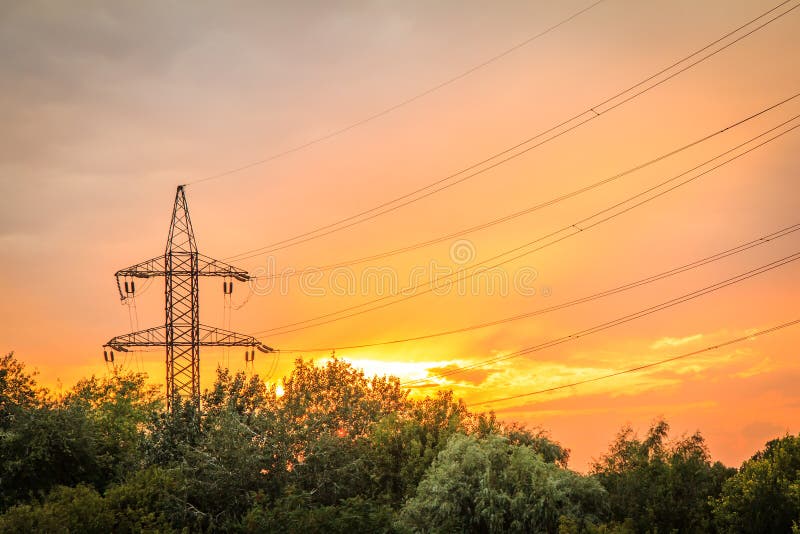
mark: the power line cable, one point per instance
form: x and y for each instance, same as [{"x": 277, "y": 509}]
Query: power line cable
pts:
[
  {"x": 535, "y": 207},
  {"x": 588, "y": 115},
  {"x": 618, "y": 321},
  {"x": 402, "y": 103},
  {"x": 644, "y": 366},
  {"x": 573, "y": 229},
  {"x": 613, "y": 291}
]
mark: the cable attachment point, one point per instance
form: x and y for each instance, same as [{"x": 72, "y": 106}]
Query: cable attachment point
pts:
[{"x": 130, "y": 288}]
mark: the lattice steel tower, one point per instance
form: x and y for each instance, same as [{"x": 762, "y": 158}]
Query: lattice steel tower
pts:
[{"x": 182, "y": 334}]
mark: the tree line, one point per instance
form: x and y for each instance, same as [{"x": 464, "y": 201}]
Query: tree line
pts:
[{"x": 341, "y": 452}]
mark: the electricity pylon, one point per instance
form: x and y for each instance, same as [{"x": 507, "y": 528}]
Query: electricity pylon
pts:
[{"x": 182, "y": 334}]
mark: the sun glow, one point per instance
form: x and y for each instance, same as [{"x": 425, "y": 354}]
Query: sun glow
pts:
[{"x": 405, "y": 371}]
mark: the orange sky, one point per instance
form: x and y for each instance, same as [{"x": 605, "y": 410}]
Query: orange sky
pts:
[{"x": 107, "y": 108}]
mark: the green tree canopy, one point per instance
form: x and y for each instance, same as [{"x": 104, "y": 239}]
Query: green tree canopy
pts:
[
  {"x": 764, "y": 496},
  {"x": 90, "y": 435},
  {"x": 490, "y": 485},
  {"x": 341, "y": 452},
  {"x": 656, "y": 482}
]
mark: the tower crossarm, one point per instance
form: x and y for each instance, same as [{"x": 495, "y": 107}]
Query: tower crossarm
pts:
[
  {"x": 206, "y": 266},
  {"x": 209, "y": 337},
  {"x": 145, "y": 269},
  {"x": 210, "y": 267},
  {"x": 151, "y": 337}
]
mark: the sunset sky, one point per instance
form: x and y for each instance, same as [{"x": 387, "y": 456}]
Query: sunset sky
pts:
[{"x": 108, "y": 106}]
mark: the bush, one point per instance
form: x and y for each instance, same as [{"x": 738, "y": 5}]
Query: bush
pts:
[{"x": 490, "y": 485}]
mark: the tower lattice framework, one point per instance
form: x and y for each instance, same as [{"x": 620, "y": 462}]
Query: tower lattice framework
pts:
[{"x": 182, "y": 334}]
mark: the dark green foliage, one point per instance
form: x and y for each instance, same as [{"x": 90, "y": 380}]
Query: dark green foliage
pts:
[
  {"x": 150, "y": 501},
  {"x": 483, "y": 425},
  {"x": 340, "y": 452},
  {"x": 171, "y": 434},
  {"x": 78, "y": 509},
  {"x": 298, "y": 513},
  {"x": 404, "y": 444},
  {"x": 92, "y": 435},
  {"x": 764, "y": 496},
  {"x": 17, "y": 390},
  {"x": 491, "y": 485},
  {"x": 47, "y": 446},
  {"x": 656, "y": 483},
  {"x": 116, "y": 408}
]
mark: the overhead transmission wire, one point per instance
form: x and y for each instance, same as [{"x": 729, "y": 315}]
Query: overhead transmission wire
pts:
[
  {"x": 226, "y": 322},
  {"x": 133, "y": 320},
  {"x": 615, "y": 322},
  {"x": 273, "y": 365},
  {"x": 237, "y": 307},
  {"x": 642, "y": 367},
  {"x": 133, "y": 315},
  {"x": 137, "y": 355},
  {"x": 147, "y": 284},
  {"x": 402, "y": 103},
  {"x": 593, "y": 112},
  {"x": 768, "y": 238},
  {"x": 573, "y": 229},
  {"x": 541, "y": 205},
  {"x": 588, "y": 115}
]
